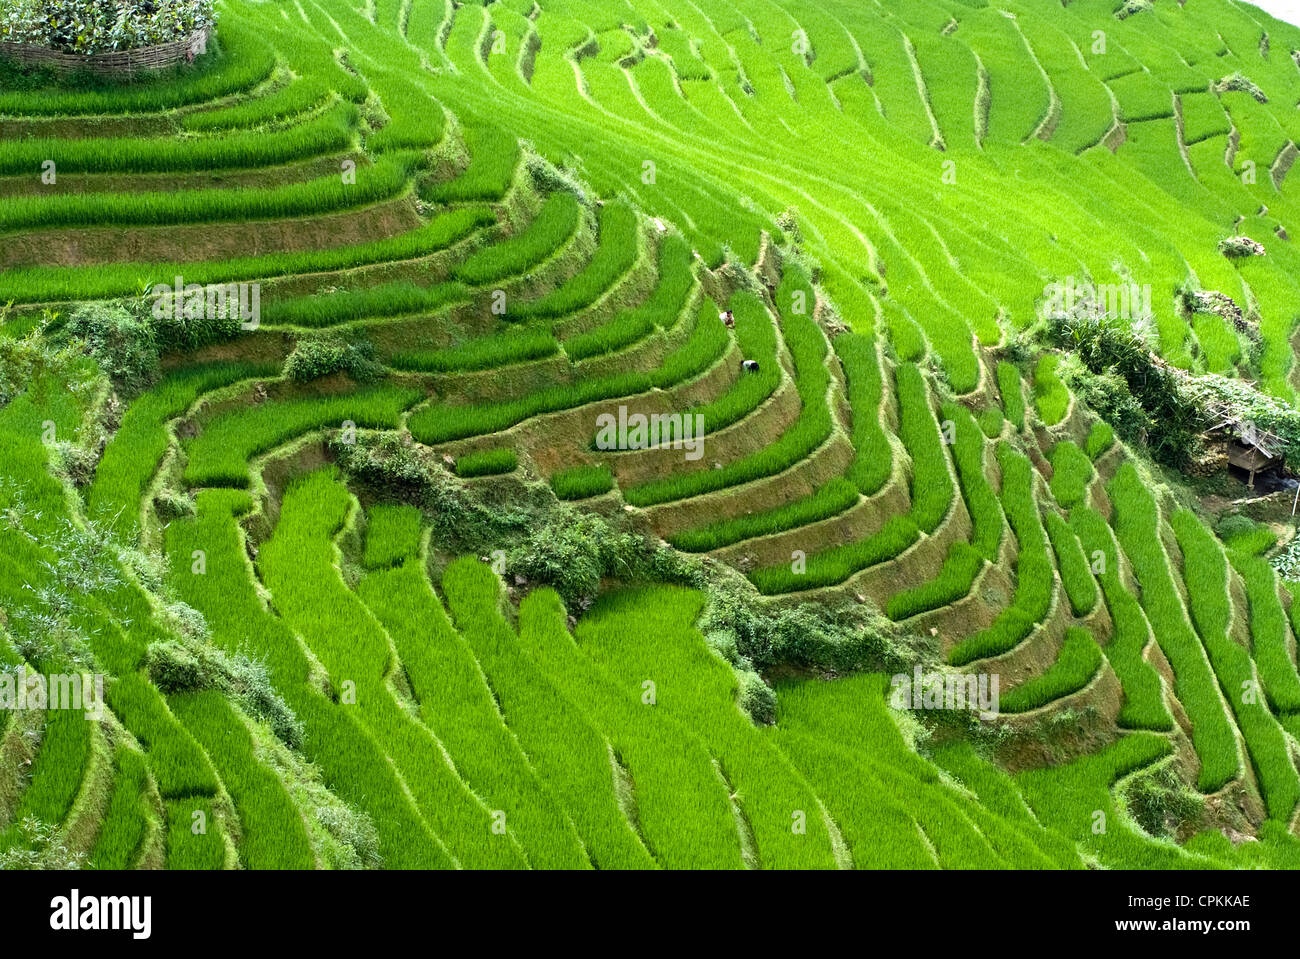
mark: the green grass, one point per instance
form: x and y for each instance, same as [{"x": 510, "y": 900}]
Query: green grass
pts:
[
  {"x": 1012, "y": 390},
  {"x": 965, "y": 561},
  {"x": 386, "y": 180},
  {"x": 1269, "y": 632},
  {"x": 396, "y": 298},
  {"x": 557, "y": 220},
  {"x": 830, "y": 500},
  {"x": 298, "y": 566},
  {"x": 1076, "y": 572},
  {"x": 615, "y": 254},
  {"x": 271, "y": 830},
  {"x": 458, "y": 705},
  {"x": 350, "y": 761},
  {"x": 392, "y": 534},
  {"x": 1205, "y": 570},
  {"x": 1100, "y": 439},
  {"x": 1034, "y": 581},
  {"x": 125, "y": 821},
  {"x": 295, "y": 97},
  {"x": 1075, "y": 666},
  {"x": 243, "y": 61},
  {"x": 861, "y": 364},
  {"x": 1050, "y": 395},
  {"x": 105, "y": 281},
  {"x": 808, "y": 347},
  {"x": 132, "y": 456},
  {"x": 1071, "y": 474},
  {"x": 566, "y": 750},
  {"x": 219, "y": 455},
  {"x": 195, "y": 838},
  {"x": 493, "y": 159},
  {"x": 487, "y": 463},
  {"x": 583, "y": 482},
  {"x": 518, "y": 345},
  {"x": 330, "y": 133},
  {"x": 1137, "y": 523},
  {"x": 661, "y": 309}
]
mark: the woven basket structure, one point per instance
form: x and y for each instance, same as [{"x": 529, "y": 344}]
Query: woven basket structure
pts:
[{"x": 116, "y": 62}]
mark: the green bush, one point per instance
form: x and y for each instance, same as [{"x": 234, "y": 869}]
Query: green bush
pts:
[
  {"x": 321, "y": 355},
  {"x": 122, "y": 344}
]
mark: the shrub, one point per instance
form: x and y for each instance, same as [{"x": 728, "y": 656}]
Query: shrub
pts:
[
  {"x": 1243, "y": 535},
  {"x": 98, "y": 26},
  {"x": 122, "y": 344},
  {"x": 572, "y": 552},
  {"x": 756, "y": 698},
  {"x": 1137, "y": 394},
  {"x": 320, "y": 355},
  {"x": 187, "y": 667}
]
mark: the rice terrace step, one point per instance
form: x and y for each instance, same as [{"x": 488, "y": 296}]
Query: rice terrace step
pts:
[{"x": 619, "y": 435}]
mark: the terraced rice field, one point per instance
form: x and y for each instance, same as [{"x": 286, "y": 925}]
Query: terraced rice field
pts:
[{"x": 371, "y": 587}]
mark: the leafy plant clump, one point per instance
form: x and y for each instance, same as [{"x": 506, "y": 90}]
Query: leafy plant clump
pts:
[
  {"x": 180, "y": 666},
  {"x": 1240, "y": 83},
  {"x": 573, "y": 552},
  {"x": 1128, "y": 386},
  {"x": 101, "y": 26},
  {"x": 121, "y": 343},
  {"x": 321, "y": 355}
]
